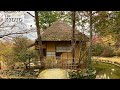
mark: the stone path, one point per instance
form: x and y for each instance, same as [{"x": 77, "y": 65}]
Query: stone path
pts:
[{"x": 55, "y": 73}]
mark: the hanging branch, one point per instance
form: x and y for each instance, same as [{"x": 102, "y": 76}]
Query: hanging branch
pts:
[{"x": 15, "y": 33}]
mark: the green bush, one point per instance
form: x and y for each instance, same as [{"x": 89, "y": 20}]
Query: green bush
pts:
[
  {"x": 108, "y": 52},
  {"x": 21, "y": 51},
  {"x": 97, "y": 49},
  {"x": 83, "y": 74},
  {"x": 117, "y": 52}
]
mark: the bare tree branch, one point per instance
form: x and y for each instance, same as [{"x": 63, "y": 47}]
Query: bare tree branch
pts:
[
  {"x": 30, "y": 14},
  {"x": 2, "y": 23},
  {"x": 1, "y": 36}
]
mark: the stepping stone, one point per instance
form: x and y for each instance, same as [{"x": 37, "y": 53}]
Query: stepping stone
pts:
[{"x": 55, "y": 73}]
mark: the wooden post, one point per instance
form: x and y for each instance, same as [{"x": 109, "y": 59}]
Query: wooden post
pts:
[
  {"x": 80, "y": 52},
  {"x": 73, "y": 36},
  {"x": 29, "y": 62},
  {"x": 67, "y": 57}
]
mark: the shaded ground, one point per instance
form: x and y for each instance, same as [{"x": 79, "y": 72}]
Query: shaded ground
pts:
[
  {"x": 34, "y": 74},
  {"x": 19, "y": 74}
]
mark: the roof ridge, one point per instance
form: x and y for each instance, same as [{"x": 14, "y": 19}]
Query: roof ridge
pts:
[
  {"x": 60, "y": 25},
  {"x": 58, "y": 31}
]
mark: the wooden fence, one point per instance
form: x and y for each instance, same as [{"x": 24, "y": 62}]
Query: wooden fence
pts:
[{"x": 65, "y": 64}]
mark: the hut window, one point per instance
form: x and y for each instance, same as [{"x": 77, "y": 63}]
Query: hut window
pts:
[
  {"x": 63, "y": 49},
  {"x": 50, "y": 53}
]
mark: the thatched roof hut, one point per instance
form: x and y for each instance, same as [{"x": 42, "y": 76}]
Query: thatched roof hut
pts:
[{"x": 57, "y": 45}]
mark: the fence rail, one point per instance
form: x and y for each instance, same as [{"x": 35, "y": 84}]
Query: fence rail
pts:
[{"x": 64, "y": 63}]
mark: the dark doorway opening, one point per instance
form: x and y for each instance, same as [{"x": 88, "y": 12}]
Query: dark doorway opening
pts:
[
  {"x": 44, "y": 52},
  {"x": 58, "y": 55}
]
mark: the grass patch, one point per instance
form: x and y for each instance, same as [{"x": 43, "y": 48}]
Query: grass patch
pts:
[{"x": 104, "y": 68}]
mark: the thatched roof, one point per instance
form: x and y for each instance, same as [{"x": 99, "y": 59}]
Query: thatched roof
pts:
[
  {"x": 60, "y": 31},
  {"x": 117, "y": 44}
]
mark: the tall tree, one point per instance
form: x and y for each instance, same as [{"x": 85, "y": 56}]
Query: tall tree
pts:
[
  {"x": 46, "y": 18},
  {"x": 20, "y": 50},
  {"x": 73, "y": 36},
  {"x": 40, "y": 51},
  {"x": 107, "y": 23},
  {"x": 103, "y": 22},
  {"x": 90, "y": 49}
]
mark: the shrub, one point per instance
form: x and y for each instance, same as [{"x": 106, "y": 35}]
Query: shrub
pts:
[
  {"x": 21, "y": 51},
  {"x": 50, "y": 62},
  {"x": 83, "y": 74},
  {"x": 6, "y": 55},
  {"x": 108, "y": 52},
  {"x": 117, "y": 52},
  {"x": 97, "y": 49}
]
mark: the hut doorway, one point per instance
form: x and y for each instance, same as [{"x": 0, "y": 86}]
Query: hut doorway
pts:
[
  {"x": 58, "y": 55},
  {"x": 44, "y": 52}
]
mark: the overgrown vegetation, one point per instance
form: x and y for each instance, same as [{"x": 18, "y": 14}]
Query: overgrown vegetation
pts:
[
  {"x": 108, "y": 52},
  {"x": 21, "y": 51},
  {"x": 105, "y": 51},
  {"x": 117, "y": 52},
  {"x": 89, "y": 73},
  {"x": 97, "y": 49},
  {"x": 18, "y": 53},
  {"x": 6, "y": 54}
]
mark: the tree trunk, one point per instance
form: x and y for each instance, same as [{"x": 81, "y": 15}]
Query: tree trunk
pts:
[
  {"x": 29, "y": 63},
  {"x": 40, "y": 51},
  {"x": 73, "y": 37},
  {"x": 90, "y": 49},
  {"x": 26, "y": 67}
]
